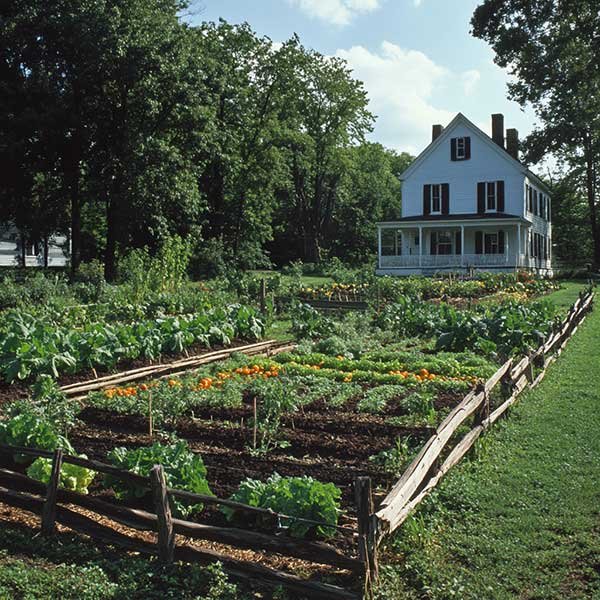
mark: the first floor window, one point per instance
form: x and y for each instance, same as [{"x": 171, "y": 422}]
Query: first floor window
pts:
[
  {"x": 489, "y": 242},
  {"x": 441, "y": 242}
]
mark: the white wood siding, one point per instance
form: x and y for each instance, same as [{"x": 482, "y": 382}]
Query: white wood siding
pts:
[{"x": 462, "y": 176}]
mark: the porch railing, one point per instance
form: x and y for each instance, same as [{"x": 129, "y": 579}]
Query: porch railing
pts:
[{"x": 461, "y": 260}]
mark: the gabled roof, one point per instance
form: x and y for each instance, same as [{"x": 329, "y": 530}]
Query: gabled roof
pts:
[{"x": 461, "y": 119}]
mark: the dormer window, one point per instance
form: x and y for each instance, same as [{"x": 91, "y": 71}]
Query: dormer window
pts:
[{"x": 460, "y": 148}]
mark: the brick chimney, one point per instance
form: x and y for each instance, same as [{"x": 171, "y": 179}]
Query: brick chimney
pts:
[
  {"x": 498, "y": 129},
  {"x": 512, "y": 143},
  {"x": 436, "y": 131}
]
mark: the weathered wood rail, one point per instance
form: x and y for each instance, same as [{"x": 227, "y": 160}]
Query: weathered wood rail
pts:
[
  {"x": 435, "y": 458},
  {"x": 484, "y": 406},
  {"x": 22, "y": 492},
  {"x": 160, "y": 371}
]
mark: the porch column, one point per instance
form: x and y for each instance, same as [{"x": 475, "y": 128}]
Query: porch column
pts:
[
  {"x": 379, "y": 247},
  {"x": 462, "y": 245},
  {"x": 518, "y": 245},
  {"x": 420, "y": 245}
]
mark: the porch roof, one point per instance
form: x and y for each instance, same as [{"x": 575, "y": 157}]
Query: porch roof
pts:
[{"x": 471, "y": 218}]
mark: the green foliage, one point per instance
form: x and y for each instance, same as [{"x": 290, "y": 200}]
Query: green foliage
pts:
[
  {"x": 377, "y": 399},
  {"x": 395, "y": 460},
  {"x": 183, "y": 469},
  {"x": 33, "y": 346},
  {"x": 72, "y": 477},
  {"x": 30, "y": 430},
  {"x": 308, "y": 322},
  {"x": 302, "y": 497}
]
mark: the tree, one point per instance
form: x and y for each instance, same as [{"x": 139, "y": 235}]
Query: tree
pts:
[
  {"x": 369, "y": 192},
  {"x": 326, "y": 114},
  {"x": 552, "y": 50}
]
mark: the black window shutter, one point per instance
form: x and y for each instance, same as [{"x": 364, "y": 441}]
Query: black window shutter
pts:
[
  {"x": 458, "y": 243},
  {"x": 426, "y": 199},
  {"x": 445, "y": 198},
  {"x": 501, "y": 242},
  {"x": 549, "y": 209},
  {"x": 535, "y": 202},
  {"x": 479, "y": 242},
  {"x": 432, "y": 244},
  {"x": 481, "y": 197},
  {"x": 500, "y": 196},
  {"x": 467, "y": 148},
  {"x": 453, "y": 149}
]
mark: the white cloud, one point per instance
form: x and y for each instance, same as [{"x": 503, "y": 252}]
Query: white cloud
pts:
[
  {"x": 470, "y": 80},
  {"x": 338, "y": 12},
  {"x": 418, "y": 2},
  {"x": 403, "y": 87}
]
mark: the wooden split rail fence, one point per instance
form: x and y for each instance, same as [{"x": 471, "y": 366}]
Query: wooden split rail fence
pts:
[
  {"x": 485, "y": 405},
  {"x": 56, "y": 505}
]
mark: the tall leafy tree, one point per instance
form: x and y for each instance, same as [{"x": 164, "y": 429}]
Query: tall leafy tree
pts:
[
  {"x": 370, "y": 191},
  {"x": 326, "y": 114},
  {"x": 552, "y": 50}
]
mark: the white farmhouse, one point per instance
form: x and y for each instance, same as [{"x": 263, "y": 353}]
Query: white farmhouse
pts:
[
  {"x": 17, "y": 251},
  {"x": 469, "y": 204}
]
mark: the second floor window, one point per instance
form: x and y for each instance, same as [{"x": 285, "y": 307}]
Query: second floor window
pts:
[
  {"x": 436, "y": 199},
  {"x": 490, "y": 196}
]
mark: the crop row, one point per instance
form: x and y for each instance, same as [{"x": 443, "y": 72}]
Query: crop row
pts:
[{"x": 30, "y": 346}]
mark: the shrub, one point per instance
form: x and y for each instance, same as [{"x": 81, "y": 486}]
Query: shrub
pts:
[
  {"x": 184, "y": 470},
  {"x": 302, "y": 497}
]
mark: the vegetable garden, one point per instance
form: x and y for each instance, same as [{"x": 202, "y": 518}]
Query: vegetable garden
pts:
[{"x": 273, "y": 445}]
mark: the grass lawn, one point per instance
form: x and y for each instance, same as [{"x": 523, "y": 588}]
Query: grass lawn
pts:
[
  {"x": 521, "y": 518},
  {"x": 566, "y": 296},
  {"x": 307, "y": 280}
]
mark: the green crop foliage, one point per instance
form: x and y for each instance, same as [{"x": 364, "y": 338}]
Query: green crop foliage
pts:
[{"x": 303, "y": 497}]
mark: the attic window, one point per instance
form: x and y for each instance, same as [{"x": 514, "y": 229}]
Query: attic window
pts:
[{"x": 460, "y": 148}]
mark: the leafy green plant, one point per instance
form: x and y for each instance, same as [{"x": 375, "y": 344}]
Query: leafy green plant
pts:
[
  {"x": 72, "y": 477},
  {"x": 308, "y": 322},
  {"x": 30, "y": 430},
  {"x": 395, "y": 460},
  {"x": 303, "y": 497},
  {"x": 375, "y": 400},
  {"x": 183, "y": 468}
]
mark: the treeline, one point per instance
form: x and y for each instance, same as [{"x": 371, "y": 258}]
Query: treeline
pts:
[
  {"x": 121, "y": 125},
  {"x": 552, "y": 51}
]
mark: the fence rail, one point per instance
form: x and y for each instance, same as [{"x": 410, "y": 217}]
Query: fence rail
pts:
[
  {"x": 428, "y": 468},
  {"x": 436, "y": 458}
]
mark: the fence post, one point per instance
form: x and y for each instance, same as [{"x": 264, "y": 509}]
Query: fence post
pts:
[
  {"x": 49, "y": 510},
  {"x": 367, "y": 532},
  {"x": 166, "y": 536}
]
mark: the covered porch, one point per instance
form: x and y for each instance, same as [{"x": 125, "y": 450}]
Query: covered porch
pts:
[{"x": 427, "y": 247}]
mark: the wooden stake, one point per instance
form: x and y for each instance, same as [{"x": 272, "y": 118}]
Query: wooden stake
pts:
[
  {"x": 263, "y": 295},
  {"x": 49, "y": 511},
  {"x": 150, "y": 419},
  {"x": 255, "y": 424},
  {"x": 166, "y": 536}
]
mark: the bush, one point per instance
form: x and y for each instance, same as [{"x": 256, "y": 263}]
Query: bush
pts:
[
  {"x": 184, "y": 470},
  {"x": 303, "y": 497}
]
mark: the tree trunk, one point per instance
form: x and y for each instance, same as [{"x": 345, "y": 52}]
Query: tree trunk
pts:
[
  {"x": 75, "y": 222},
  {"x": 312, "y": 249},
  {"x": 591, "y": 198},
  {"x": 110, "y": 254}
]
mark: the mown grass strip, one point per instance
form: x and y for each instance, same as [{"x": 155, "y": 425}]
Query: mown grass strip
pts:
[{"x": 522, "y": 518}]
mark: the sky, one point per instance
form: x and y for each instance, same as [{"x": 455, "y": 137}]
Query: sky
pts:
[{"x": 417, "y": 59}]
